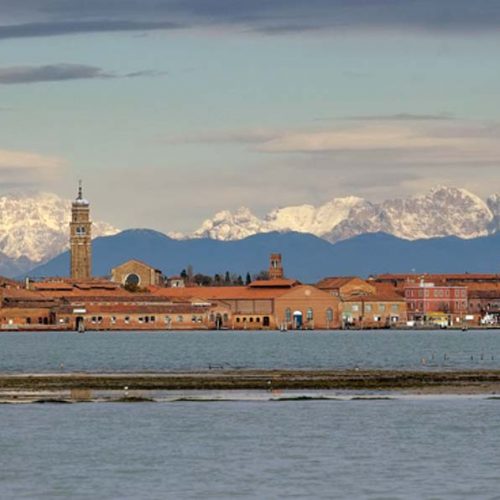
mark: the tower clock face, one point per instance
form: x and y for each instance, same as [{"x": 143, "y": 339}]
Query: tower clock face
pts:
[{"x": 80, "y": 231}]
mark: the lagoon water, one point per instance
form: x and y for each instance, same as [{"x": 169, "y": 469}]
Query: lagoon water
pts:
[
  {"x": 422, "y": 448},
  {"x": 201, "y": 350},
  {"x": 408, "y": 447}
]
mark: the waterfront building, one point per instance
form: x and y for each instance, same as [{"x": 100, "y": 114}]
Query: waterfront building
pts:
[
  {"x": 381, "y": 309},
  {"x": 277, "y": 302},
  {"x": 102, "y": 305},
  {"x": 429, "y": 303},
  {"x": 80, "y": 238}
]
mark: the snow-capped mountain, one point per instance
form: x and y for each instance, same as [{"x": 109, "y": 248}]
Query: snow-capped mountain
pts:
[
  {"x": 35, "y": 226},
  {"x": 443, "y": 211}
]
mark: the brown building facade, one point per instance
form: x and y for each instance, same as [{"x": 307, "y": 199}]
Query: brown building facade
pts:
[{"x": 135, "y": 273}]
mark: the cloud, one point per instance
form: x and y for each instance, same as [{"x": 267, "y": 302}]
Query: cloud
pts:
[
  {"x": 60, "y": 72},
  {"x": 74, "y": 27},
  {"x": 11, "y": 161},
  {"x": 253, "y": 136},
  {"x": 405, "y": 140},
  {"x": 401, "y": 117},
  {"x": 32, "y": 18}
]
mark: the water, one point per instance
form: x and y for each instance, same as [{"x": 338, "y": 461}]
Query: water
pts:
[
  {"x": 419, "y": 448},
  {"x": 163, "y": 351}
]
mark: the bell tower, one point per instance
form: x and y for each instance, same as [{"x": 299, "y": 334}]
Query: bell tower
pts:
[
  {"x": 80, "y": 238},
  {"x": 275, "y": 266}
]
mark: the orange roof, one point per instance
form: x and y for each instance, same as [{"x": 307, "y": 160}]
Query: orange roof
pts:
[
  {"x": 221, "y": 292},
  {"x": 277, "y": 282},
  {"x": 21, "y": 294},
  {"x": 335, "y": 281}
]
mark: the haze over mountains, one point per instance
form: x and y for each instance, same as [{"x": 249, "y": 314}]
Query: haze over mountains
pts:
[{"x": 34, "y": 228}]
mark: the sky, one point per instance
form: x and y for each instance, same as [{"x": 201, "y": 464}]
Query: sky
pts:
[{"x": 171, "y": 110}]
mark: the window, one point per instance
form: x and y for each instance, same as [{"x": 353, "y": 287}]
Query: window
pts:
[
  {"x": 355, "y": 307},
  {"x": 126, "y": 320},
  {"x": 132, "y": 280},
  {"x": 152, "y": 319},
  {"x": 80, "y": 231},
  {"x": 113, "y": 320},
  {"x": 237, "y": 320},
  {"x": 381, "y": 307},
  {"x": 168, "y": 319},
  {"x": 257, "y": 319},
  {"x": 310, "y": 314},
  {"x": 251, "y": 320},
  {"x": 180, "y": 319},
  {"x": 395, "y": 308},
  {"x": 329, "y": 314},
  {"x": 288, "y": 314},
  {"x": 368, "y": 308},
  {"x": 225, "y": 317}
]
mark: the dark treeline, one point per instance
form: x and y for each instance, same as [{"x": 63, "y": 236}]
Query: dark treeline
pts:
[{"x": 220, "y": 279}]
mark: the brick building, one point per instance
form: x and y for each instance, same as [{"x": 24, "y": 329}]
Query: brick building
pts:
[
  {"x": 80, "y": 238},
  {"x": 429, "y": 303},
  {"x": 268, "y": 304},
  {"x": 103, "y": 305}
]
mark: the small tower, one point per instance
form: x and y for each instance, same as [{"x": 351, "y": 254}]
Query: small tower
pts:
[
  {"x": 80, "y": 238},
  {"x": 275, "y": 267}
]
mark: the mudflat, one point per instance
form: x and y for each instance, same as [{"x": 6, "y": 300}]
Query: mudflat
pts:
[{"x": 468, "y": 381}]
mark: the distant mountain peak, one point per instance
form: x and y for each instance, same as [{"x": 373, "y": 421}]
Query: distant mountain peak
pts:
[
  {"x": 441, "y": 211},
  {"x": 35, "y": 225}
]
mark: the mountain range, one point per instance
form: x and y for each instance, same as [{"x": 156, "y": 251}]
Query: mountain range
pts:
[
  {"x": 306, "y": 257},
  {"x": 443, "y": 211},
  {"x": 34, "y": 228}
]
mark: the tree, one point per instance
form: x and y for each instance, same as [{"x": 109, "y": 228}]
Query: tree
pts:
[
  {"x": 239, "y": 280},
  {"x": 262, "y": 275},
  {"x": 184, "y": 275},
  {"x": 227, "y": 278},
  {"x": 248, "y": 279},
  {"x": 202, "y": 279}
]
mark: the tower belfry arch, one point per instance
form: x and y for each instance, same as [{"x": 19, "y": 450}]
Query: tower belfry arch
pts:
[{"x": 80, "y": 237}]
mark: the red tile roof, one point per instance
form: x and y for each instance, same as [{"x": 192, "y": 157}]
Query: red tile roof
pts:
[{"x": 274, "y": 283}]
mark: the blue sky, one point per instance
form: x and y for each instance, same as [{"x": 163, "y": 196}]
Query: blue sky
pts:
[{"x": 171, "y": 110}]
